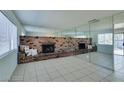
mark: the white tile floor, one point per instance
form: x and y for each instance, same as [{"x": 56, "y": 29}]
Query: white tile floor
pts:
[
  {"x": 102, "y": 59},
  {"x": 66, "y": 69}
]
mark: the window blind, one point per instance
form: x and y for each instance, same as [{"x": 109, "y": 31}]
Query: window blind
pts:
[{"x": 8, "y": 35}]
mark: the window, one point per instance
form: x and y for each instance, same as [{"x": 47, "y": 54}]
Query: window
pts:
[
  {"x": 105, "y": 38},
  {"x": 108, "y": 39},
  {"x": 101, "y": 39},
  {"x": 8, "y": 35}
]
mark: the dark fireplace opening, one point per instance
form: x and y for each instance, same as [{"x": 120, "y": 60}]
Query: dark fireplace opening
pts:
[
  {"x": 48, "y": 48},
  {"x": 81, "y": 46}
]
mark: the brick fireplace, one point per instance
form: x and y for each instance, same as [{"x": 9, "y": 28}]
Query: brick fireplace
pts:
[{"x": 52, "y": 47}]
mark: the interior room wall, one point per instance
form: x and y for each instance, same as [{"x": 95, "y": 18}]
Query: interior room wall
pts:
[
  {"x": 63, "y": 46},
  {"x": 9, "y": 62}
]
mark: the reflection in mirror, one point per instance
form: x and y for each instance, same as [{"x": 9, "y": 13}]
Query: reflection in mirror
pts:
[
  {"x": 119, "y": 42},
  {"x": 99, "y": 46},
  {"x": 102, "y": 41},
  {"x": 83, "y": 33}
]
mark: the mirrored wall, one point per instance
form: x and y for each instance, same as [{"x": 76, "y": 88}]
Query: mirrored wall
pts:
[
  {"x": 119, "y": 42},
  {"x": 83, "y": 33},
  {"x": 101, "y": 32},
  {"x": 107, "y": 41}
]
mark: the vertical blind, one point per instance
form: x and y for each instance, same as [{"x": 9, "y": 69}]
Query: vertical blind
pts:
[{"x": 8, "y": 35}]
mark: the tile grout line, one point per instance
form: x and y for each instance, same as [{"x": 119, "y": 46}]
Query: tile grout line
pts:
[
  {"x": 36, "y": 73},
  {"x": 47, "y": 72}
]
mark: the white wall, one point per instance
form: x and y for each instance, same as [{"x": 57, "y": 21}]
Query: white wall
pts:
[{"x": 9, "y": 62}]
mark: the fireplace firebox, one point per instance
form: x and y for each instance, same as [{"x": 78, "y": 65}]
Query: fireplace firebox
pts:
[
  {"x": 48, "y": 48},
  {"x": 81, "y": 46}
]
